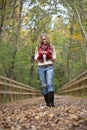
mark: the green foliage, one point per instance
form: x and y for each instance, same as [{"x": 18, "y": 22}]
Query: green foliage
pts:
[
  {"x": 19, "y": 37},
  {"x": 6, "y": 53}
]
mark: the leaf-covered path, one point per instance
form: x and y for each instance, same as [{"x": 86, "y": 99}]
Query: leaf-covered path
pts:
[{"x": 69, "y": 113}]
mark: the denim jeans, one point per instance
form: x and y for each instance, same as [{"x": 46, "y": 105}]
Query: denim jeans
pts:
[{"x": 46, "y": 77}]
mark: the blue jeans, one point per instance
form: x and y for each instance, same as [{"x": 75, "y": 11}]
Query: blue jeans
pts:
[{"x": 46, "y": 77}]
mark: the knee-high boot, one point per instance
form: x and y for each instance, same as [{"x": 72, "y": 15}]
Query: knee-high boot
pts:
[
  {"x": 46, "y": 99},
  {"x": 51, "y": 99}
]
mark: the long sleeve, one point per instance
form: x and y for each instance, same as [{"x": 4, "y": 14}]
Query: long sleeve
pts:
[
  {"x": 54, "y": 53},
  {"x": 36, "y": 54}
]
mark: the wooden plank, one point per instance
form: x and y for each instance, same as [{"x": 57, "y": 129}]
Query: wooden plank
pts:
[
  {"x": 15, "y": 86},
  {"x": 16, "y": 83},
  {"x": 75, "y": 89},
  {"x": 21, "y": 93},
  {"x": 74, "y": 83},
  {"x": 76, "y": 78}
]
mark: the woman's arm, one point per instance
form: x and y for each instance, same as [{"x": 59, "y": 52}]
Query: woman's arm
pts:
[
  {"x": 53, "y": 53},
  {"x": 38, "y": 55}
]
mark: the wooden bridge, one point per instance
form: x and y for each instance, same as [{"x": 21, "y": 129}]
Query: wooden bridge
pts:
[{"x": 23, "y": 108}]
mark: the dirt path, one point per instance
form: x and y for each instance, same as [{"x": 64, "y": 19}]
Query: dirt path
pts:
[{"x": 69, "y": 113}]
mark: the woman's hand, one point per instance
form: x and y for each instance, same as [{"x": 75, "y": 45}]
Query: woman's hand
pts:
[{"x": 42, "y": 52}]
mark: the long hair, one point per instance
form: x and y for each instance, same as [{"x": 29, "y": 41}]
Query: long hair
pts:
[{"x": 40, "y": 40}]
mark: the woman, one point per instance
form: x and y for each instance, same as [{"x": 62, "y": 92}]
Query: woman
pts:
[{"x": 45, "y": 55}]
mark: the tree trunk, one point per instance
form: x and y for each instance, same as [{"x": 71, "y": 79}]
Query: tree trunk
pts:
[{"x": 2, "y": 8}]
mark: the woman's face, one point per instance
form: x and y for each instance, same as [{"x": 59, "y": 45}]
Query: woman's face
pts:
[{"x": 44, "y": 40}]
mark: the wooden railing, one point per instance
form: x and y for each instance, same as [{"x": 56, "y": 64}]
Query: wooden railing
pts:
[
  {"x": 11, "y": 90},
  {"x": 76, "y": 87}
]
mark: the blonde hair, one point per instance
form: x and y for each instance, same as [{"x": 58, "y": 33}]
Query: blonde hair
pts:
[{"x": 40, "y": 40}]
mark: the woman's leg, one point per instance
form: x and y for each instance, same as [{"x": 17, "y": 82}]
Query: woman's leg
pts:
[
  {"x": 49, "y": 75},
  {"x": 42, "y": 75}
]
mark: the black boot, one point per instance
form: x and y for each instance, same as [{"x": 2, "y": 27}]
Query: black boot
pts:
[
  {"x": 51, "y": 99},
  {"x": 46, "y": 99}
]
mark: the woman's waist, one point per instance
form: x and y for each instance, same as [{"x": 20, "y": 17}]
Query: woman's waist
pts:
[{"x": 45, "y": 64}]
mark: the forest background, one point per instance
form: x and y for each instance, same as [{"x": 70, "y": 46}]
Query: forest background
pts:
[{"x": 21, "y": 23}]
